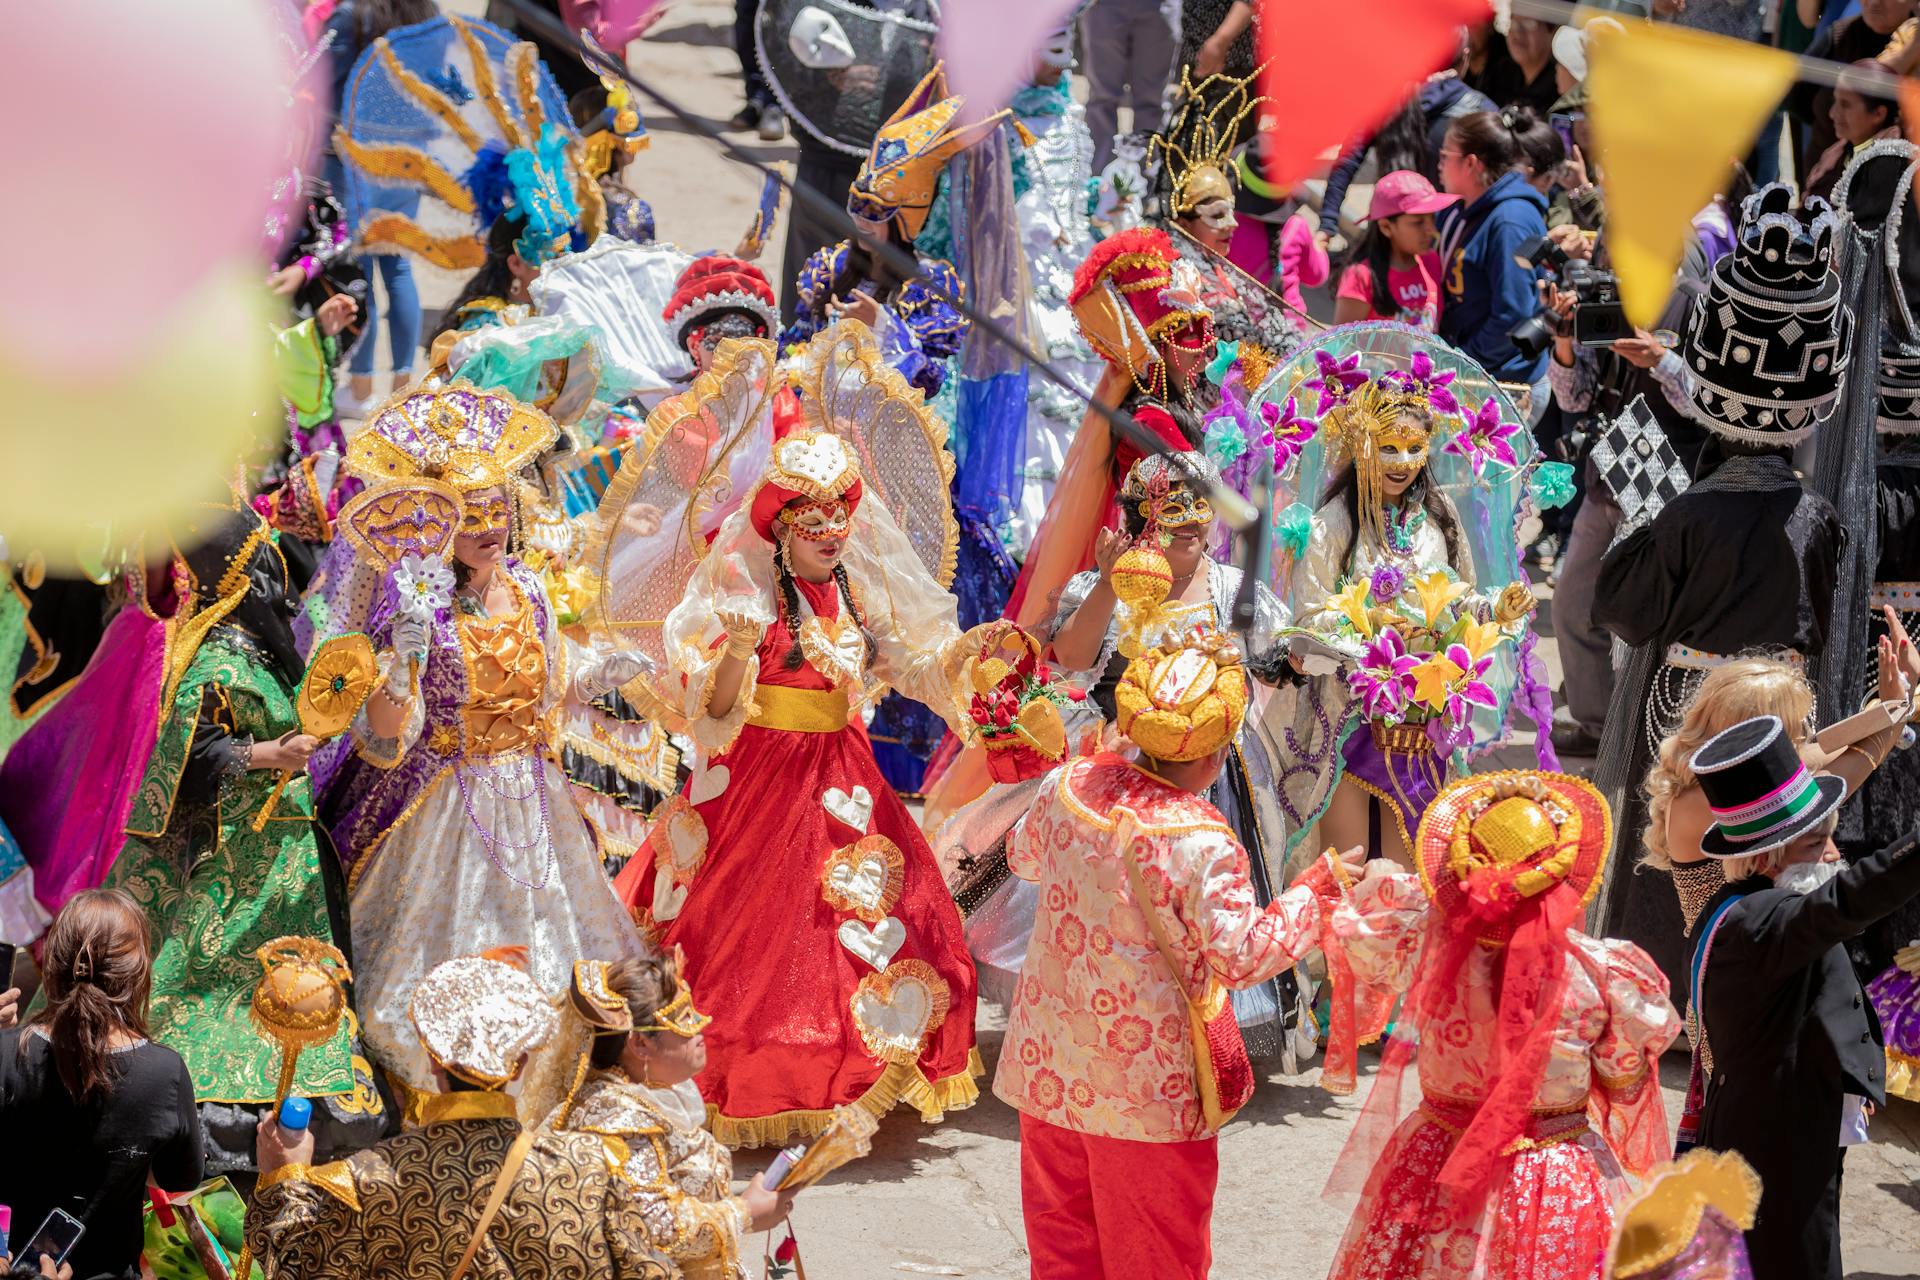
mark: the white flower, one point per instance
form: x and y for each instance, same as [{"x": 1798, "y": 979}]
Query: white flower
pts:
[{"x": 425, "y": 585}]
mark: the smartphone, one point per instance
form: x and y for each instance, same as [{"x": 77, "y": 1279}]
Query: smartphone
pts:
[
  {"x": 56, "y": 1237},
  {"x": 7, "y": 953},
  {"x": 1563, "y": 122}
]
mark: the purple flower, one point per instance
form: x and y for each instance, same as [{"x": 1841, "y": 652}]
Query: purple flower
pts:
[
  {"x": 1387, "y": 583},
  {"x": 1471, "y": 689},
  {"x": 1287, "y": 432},
  {"x": 1381, "y": 682},
  {"x": 1485, "y": 438},
  {"x": 1446, "y": 736},
  {"x": 1338, "y": 379},
  {"x": 1421, "y": 378}
]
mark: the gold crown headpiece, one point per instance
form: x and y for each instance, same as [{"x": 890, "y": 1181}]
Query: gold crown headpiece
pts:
[
  {"x": 1197, "y": 147},
  {"x": 1183, "y": 700},
  {"x": 469, "y": 437},
  {"x": 678, "y": 1014}
]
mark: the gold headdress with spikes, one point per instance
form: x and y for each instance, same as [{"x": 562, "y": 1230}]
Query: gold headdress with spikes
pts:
[
  {"x": 1381, "y": 413},
  {"x": 1197, "y": 147},
  {"x": 897, "y": 181}
]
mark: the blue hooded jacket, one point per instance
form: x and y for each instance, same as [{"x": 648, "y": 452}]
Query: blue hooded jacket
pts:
[{"x": 1488, "y": 293}]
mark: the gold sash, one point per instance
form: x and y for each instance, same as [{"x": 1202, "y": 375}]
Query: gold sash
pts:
[{"x": 799, "y": 710}]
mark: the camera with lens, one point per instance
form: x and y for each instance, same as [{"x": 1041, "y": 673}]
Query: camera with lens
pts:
[{"x": 1598, "y": 319}]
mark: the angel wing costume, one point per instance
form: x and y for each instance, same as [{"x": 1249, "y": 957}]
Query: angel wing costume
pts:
[{"x": 813, "y": 918}]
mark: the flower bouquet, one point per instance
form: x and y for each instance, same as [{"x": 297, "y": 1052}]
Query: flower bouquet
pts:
[
  {"x": 1016, "y": 706},
  {"x": 1423, "y": 657}
]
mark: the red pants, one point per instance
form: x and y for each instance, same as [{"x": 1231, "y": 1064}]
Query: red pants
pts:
[{"x": 1112, "y": 1208}]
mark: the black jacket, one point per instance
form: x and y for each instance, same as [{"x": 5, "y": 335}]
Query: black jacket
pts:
[{"x": 1792, "y": 1034}]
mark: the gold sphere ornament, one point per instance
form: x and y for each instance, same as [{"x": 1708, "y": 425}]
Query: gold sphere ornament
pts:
[
  {"x": 1142, "y": 580},
  {"x": 300, "y": 998}
]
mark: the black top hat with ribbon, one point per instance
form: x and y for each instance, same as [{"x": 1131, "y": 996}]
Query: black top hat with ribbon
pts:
[{"x": 1761, "y": 793}]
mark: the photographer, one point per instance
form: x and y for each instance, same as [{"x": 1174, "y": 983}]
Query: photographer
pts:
[{"x": 1592, "y": 384}]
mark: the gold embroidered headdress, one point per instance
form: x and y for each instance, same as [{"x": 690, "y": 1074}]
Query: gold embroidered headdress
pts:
[
  {"x": 913, "y": 146},
  {"x": 1184, "y": 700},
  {"x": 1197, "y": 147}
]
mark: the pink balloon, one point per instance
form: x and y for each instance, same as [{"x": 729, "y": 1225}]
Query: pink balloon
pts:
[
  {"x": 990, "y": 46},
  {"x": 146, "y": 139}
]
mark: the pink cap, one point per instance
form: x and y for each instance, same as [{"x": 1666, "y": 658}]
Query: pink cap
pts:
[{"x": 1404, "y": 191}]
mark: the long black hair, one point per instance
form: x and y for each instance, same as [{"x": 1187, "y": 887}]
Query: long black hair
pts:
[
  {"x": 1406, "y": 142},
  {"x": 494, "y": 279},
  {"x": 790, "y": 612},
  {"x": 1375, "y": 252},
  {"x": 1345, "y": 487}
]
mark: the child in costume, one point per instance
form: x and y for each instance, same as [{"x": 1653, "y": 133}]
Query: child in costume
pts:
[
  {"x": 446, "y": 800},
  {"x": 1536, "y": 1045},
  {"x": 1385, "y": 579},
  {"x": 800, "y": 888}
]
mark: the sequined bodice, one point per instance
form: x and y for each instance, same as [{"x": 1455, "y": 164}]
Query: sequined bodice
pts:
[{"x": 506, "y": 676}]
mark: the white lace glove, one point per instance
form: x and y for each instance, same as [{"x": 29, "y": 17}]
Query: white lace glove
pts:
[{"x": 610, "y": 673}]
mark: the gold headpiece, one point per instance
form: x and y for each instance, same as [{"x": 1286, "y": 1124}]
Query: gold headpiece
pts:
[
  {"x": 1184, "y": 700},
  {"x": 1197, "y": 147},
  {"x": 678, "y": 1014},
  {"x": 594, "y": 999},
  {"x": 479, "y": 1017},
  {"x": 472, "y": 439},
  {"x": 1378, "y": 415},
  {"x": 1664, "y": 1222},
  {"x": 1493, "y": 838},
  {"x": 913, "y": 146}
]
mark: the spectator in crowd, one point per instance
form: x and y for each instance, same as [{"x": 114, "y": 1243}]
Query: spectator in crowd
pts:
[
  {"x": 1488, "y": 291},
  {"x": 1527, "y": 77},
  {"x": 1487, "y": 61},
  {"x": 1129, "y": 49},
  {"x": 355, "y": 25},
  {"x": 1217, "y": 37},
  {"x": 1865, "y": 35},
  {"x": 102, "y": 1108},
  {"x": 1410, "y": 140},
  {"x": 1543, "y": 156},
  {"x": 1858, "y": 116},
  {"x": 1393, "y": 272}
]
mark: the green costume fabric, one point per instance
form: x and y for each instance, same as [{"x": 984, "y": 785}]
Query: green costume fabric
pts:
[
  {"x": 303, "y": 365},
  {"x": 217, "y": 890}
]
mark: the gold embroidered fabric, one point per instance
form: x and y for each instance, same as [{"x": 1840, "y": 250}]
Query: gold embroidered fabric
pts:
[
  {"x": 507, "y": 674},
  {"x": 566, "y": 1214},
  {"x": 682, "y": 1176}
]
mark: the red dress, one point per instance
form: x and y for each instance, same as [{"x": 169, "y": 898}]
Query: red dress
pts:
[{"x": 816, "y": 927}]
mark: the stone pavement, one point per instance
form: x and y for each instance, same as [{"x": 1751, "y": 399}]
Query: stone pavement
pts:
[{"x": 945, "y": 1200}]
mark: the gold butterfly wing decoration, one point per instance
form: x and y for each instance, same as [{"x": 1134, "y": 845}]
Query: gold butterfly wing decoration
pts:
[
  {"x": 701, "y": 455},
  {"x": 848, "y": 388}
]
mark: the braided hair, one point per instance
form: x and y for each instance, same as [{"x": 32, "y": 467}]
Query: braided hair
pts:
[{"x": 790, "y": 612}]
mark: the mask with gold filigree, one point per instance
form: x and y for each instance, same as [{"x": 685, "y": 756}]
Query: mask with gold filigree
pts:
[
  {"x": 678, "y": 1015},
  {"x": 1385, "y": 430},
  {"x": 817, "y": 466}
]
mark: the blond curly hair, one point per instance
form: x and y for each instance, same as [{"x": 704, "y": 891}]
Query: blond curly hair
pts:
[{"x": 1740, "y": 690}]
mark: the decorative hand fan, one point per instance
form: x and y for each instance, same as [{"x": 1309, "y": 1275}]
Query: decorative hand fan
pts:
[
  {"x": 848, "y": 1136},
  {"x": 339, "y": 680},
  {"x": 413, "y": 517}
]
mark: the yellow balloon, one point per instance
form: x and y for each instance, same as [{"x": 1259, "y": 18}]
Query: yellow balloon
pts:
[{"x": 140, "y": 446}]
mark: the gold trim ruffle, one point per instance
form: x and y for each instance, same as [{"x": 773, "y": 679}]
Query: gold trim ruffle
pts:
[{"x": 900, "y": 1082}]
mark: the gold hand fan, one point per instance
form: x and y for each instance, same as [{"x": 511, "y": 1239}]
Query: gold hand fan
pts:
[{"x": 338, "y": 682}]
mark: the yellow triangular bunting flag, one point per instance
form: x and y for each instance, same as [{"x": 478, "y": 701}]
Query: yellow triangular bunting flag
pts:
[{"x": 1672, "y": 109}]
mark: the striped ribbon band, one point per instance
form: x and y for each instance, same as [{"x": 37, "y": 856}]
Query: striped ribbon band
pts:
[{"x": 1772, "y": 811}]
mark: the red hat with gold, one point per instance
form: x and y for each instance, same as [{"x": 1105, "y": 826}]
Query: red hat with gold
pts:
[
  {"x": 1133, "y": 296},
  {"x": 714, "y": 285},
  {"x": 815, "y": 465}
]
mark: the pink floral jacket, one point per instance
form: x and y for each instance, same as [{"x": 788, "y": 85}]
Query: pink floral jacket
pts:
[{"x": 1097, "y": 1040}]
